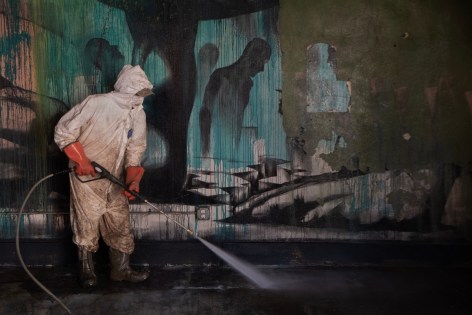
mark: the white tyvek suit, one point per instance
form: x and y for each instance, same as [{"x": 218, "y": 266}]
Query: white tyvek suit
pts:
[{"x": 112, "y": 130}]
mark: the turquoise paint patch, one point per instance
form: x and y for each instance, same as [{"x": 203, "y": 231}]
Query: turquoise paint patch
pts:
[
  {"x": 10, "y": 43},
  {"x": 328, "y": 146},
  {"x": 261, "y": 121},
  {"x": 324, "y": 92},
  {"x": 9, "y": 46}
]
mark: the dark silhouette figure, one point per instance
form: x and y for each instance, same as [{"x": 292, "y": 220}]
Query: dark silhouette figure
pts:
[
  {"x": 99, "y": 55},
  {"x": 208, "y": 57},
  {"x": 227, "y": 95},
  {"x": 169, "y": 28}
]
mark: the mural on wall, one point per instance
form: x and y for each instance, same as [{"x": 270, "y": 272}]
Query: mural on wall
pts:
[
  {"x": 226, "y": 98},
  {"x": 225, "y": 155},
  {"x": 364, "y": 94}
]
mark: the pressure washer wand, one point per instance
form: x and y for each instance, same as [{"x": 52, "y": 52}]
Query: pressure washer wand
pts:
[{"x": 106, "y": 174}]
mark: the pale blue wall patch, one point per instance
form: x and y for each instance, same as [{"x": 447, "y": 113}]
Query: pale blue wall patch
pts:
[{"x": 324, "y": 92}]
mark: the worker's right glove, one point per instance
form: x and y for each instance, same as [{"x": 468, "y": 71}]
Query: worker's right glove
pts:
[
  {"x": 133, "y": 178},
  {"x": 75, "y": 152}
]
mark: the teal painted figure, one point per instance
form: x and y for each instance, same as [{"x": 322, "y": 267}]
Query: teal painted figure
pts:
[{"x": 225, "y": 101}]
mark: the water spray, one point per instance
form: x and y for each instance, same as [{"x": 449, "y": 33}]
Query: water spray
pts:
[{"x": 243, "y": 267}]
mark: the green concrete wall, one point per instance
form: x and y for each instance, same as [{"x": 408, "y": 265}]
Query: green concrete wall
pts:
[{"x": 409, "y": 67}]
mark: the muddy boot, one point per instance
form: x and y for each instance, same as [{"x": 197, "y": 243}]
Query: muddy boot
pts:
[
  {"x": 120, "y": 269},
  {"x": 88, "y": 279}
]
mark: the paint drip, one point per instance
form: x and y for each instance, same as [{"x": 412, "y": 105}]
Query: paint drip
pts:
[{"x": 247, "y": 270}]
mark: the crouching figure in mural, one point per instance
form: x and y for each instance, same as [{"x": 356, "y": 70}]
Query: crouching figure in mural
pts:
[{"x": 109, "y": 129}]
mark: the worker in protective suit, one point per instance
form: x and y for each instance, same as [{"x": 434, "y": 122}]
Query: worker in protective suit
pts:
[{"x": 109, "y": 129}]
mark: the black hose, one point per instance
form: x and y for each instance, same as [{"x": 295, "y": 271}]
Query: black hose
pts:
[{"x": 17, "y": 239}]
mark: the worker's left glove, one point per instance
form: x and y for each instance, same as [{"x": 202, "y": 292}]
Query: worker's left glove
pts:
[{"x": 132, "y": 180}]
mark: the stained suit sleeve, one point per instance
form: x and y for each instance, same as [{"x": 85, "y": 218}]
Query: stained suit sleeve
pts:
[
  {"x": 68, "y": 129},
  {"x": 137, "y": 142}
]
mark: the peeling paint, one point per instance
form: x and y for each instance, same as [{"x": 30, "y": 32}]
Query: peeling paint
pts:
[{"x": 324, "y": 92}]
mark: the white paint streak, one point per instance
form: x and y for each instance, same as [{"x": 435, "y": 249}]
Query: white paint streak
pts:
[
  {"x": 458, "y": 205},
  {"x": 323, "y": 209},
  {"x": 259, "y": 151},
  {"x": 310, "y": 192}
]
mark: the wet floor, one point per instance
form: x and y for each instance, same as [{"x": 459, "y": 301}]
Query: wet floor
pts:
[{"x": 218, "y": 289}]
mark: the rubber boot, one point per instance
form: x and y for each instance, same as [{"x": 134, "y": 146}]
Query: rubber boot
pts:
[
  {"x": 120, "y": 269},
  {"x": 88, "y": 279}
]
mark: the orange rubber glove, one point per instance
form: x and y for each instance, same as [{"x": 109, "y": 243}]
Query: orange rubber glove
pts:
[
  {"x": 83, "y": 166},
  {"x": 133, "y": 178}
]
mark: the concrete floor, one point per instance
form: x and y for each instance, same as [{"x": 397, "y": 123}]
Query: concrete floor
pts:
[{"x": 218, "y": 289}]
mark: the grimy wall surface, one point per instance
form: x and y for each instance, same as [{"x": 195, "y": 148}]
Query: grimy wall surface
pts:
[{"x": 270, "y": 120}]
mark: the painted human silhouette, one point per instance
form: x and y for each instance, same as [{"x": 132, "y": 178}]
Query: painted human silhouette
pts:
[
  {"x": 169, "y": 28},
  {"x": 227, "y": 96},
  {"x": 208, "y": 56},
  {"x": 100, "y": 55}
]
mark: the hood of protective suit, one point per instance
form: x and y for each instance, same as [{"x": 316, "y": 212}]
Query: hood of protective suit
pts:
[{"x": 131, "y": 80}]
